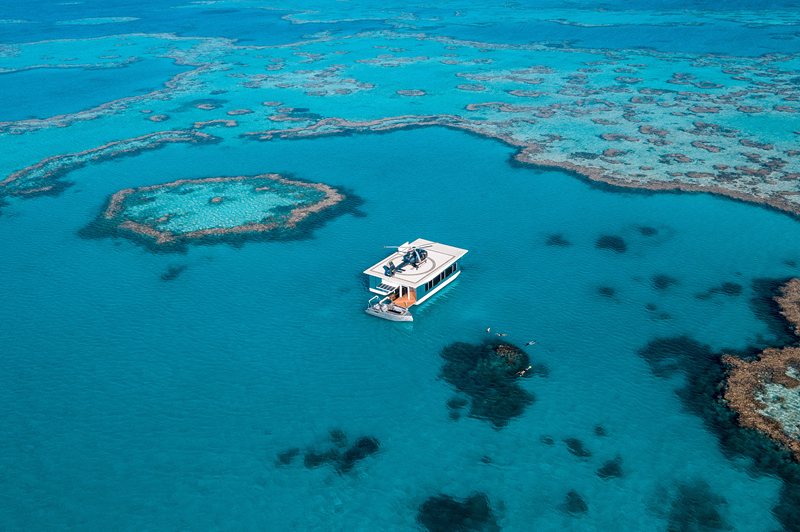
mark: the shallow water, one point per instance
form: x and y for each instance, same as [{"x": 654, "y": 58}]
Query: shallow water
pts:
[{"x": 131, "y": 402}]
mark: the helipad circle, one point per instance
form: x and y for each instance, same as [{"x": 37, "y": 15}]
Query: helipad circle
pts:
[{"x": 424, "y": 269}]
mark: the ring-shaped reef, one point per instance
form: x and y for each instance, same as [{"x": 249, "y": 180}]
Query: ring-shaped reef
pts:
[{"x": 169, "y": 216}]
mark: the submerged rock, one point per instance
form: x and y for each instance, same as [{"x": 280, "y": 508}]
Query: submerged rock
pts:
[
  {"x": 447, "y": 514},
  {"x": 488, "y": 373}
]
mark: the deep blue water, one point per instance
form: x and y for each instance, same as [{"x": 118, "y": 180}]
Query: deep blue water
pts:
[
  {"x": 46, "y": 92},
  {"x": 248, "y": 26},
  {"x": 251, "y": 24}
]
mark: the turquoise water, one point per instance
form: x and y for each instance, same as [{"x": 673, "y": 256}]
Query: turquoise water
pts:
[
  {"x": 170, "y": 401},
  {"x": 155, "y": 391}
]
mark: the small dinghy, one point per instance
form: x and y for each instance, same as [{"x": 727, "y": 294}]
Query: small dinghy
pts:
[{"x": 387, "y": 310}]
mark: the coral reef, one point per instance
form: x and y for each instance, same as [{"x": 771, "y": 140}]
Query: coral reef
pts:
[
  {"x": 444, "y": 513},
  {"x": 701, "y": 395},
  {"x": 488, "y": 373},
  {"x": 789, "y": 302},
  {"x": 764, "y": 392},
  {"x": 174, "y": 214},
  {"x": 46, "y": 176}
]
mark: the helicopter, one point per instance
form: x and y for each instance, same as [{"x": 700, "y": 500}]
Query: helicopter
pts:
[{"x": 414, "y": 256}]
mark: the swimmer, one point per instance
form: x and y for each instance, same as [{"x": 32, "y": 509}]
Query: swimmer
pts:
[
  {"x": 531, "y": 343},
  {"x": 521, "y": 373}
]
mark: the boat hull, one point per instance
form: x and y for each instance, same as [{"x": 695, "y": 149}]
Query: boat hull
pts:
[{"x": 390, "y": 314}]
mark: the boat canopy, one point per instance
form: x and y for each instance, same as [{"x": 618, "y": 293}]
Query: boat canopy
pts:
[{"x": 440, "y": 257}]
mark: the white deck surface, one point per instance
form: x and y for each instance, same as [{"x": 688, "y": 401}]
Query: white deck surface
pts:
[{"x": 440, "y": 256}]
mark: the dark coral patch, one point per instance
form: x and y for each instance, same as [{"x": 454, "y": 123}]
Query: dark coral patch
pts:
[
  {"x": 338, "y": 438},
  {"x": 611, "y": 469},
  {"x": 696, "y": 507},
  {"x": 666, "y": 356},
  {"x": 362, "y": 448},
  {"x": 457, "y": 403},
  {"x": 576, "y": 447},
  {"x": 286, "y": 457},
  {"x": 647, "y": 231},
  {"x": 606, "y": 291},
  {"x": 547, "y": 440},
  {"x": 557, "y": 240},
  {"x": 447, "y": 514},
  {"x": 614, "y": 243},
  {"x": 728, "y": 289},
  {"x": 663, "y": 282},
  {"x": 341, "y": 461},
  {"x": 701, "y": 395},
  {"x": 488, "y": 373},
  {"x": 574, "y": 504},
  {"x": 454, "y": 405},
  {"x": 173, "y": 272},
  {"x": 600, "y": 431},
  {"x": 314, "y": 459}
]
